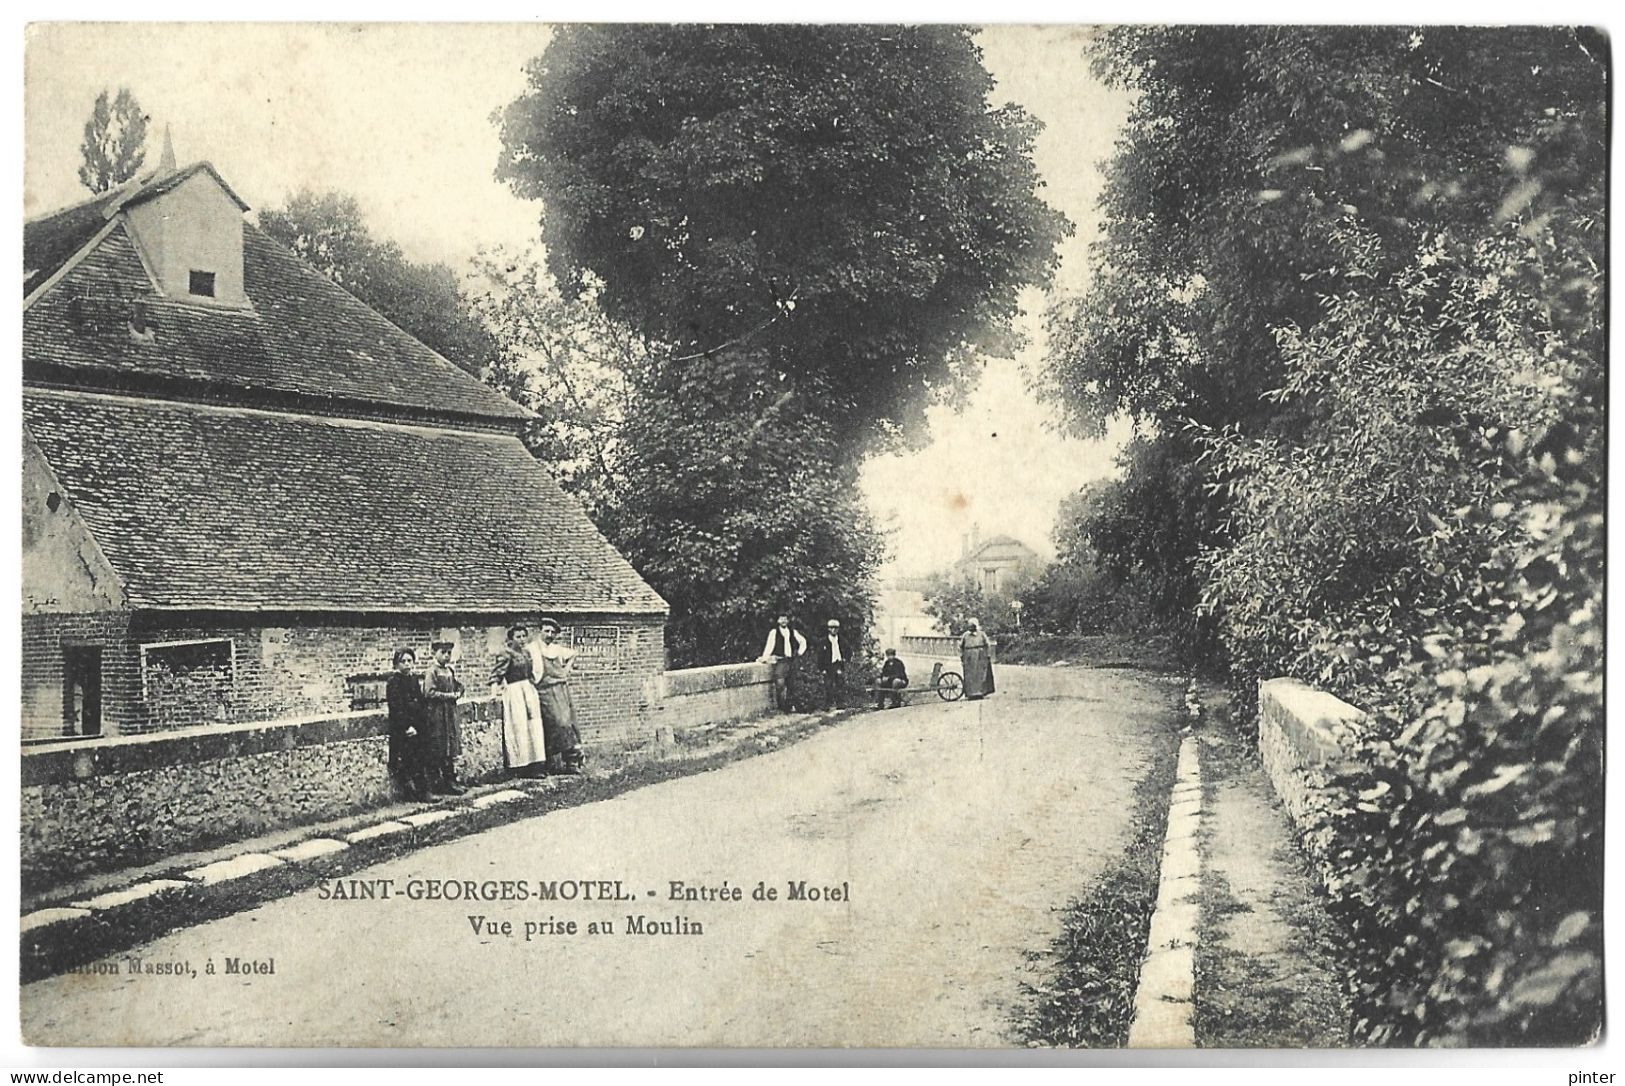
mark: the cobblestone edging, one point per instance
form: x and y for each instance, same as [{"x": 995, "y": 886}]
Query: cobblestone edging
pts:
[{"x": 1163, "y": 1001}]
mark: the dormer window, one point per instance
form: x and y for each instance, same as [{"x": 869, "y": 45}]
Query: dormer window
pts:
[{"x": 188, "y": 227}]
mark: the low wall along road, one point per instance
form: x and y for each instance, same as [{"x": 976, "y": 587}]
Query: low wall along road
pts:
[
  {"x": 1301, "y": 733},
  {"x": 99, "y": 804}
]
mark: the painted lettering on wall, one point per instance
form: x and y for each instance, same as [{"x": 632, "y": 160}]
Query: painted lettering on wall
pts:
[{"x": 598, "y": 646}]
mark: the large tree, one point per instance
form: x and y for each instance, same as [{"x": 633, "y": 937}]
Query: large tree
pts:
[
  {"x": 1248, "y": 154},
  {"x": 737, "y": 504},
  {"x": 818, "y": 228},
  {"x": 568, "y": 362},
  {"x": 329, "y": 230},
  {"x": 115, "y": 140},
  {"x": 842, "y": 201}
]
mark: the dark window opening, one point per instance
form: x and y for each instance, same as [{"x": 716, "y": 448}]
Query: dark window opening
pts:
[
  {"x": 188, "y": 683},
  {"x": 82, "y": 690},
  {"x": 202, "y": 284},
  {"x": 368, "y": 690}
]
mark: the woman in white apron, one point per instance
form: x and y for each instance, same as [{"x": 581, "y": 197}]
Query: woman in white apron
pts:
[{"x": 523, "y": 742}]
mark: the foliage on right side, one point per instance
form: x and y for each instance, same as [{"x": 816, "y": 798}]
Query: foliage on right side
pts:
[{"x": 1350, "y": 288}]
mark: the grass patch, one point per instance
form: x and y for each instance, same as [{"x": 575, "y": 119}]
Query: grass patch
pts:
[
  {"x": 102, "y": 935},
  {"x": 1088, "y": 999},
  {"x": 1249, "y": 1002}
]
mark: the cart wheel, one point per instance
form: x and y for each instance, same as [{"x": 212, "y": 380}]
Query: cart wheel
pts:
[{"x": 950, "y": 686}]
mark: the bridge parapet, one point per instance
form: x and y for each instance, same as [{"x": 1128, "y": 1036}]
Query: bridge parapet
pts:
[{"x": 1302, "y": 731}]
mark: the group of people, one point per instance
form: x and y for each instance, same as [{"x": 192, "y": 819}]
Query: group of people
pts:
[
  {"x": 539, "y": 733},
  {"x": 786, "y": 646},
  {"x": 424, "y": 737}
]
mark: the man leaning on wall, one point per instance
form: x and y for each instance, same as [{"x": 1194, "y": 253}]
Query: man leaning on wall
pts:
[{"x": 784, "y": 647}]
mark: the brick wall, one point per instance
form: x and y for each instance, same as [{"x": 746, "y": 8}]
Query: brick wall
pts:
[
  {"x": 44, "y": 638},
  {"x": 299, "y": 665}
]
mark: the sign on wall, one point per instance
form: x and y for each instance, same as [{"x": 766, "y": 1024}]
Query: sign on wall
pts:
[{"x": 598, "y": 647}]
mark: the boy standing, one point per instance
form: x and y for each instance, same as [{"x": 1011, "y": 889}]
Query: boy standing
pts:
[
  {"x": 444, "y": 740},
  {"x": 832, "y": 662}
]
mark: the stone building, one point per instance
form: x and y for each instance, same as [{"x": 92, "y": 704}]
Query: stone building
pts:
[
  {"x": 999, "y": 565},
  {"x": 243, "y": 488}
]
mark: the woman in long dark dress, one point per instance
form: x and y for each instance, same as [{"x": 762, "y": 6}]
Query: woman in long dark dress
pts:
[
  {"x": 408, "y": 721},
  {"x": 976, "y": 662}
]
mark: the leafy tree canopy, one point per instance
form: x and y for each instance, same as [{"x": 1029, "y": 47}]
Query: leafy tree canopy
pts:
[
  {"x": 1353, "y": 282},
  {"x": 843, "y": 202},
  {"x": 568, "y": 362},
  {"x": 736, "y": 506},
  {"x": 1247, "y": 154},
  {"x": 115, "y": 140},
  {"x": 1261, "y": 172}
]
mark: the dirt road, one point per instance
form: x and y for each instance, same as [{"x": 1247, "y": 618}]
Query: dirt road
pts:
[{"x": 955, "y": 832}]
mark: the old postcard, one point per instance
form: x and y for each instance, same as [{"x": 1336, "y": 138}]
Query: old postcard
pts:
[{"x": 842, "y": 536}]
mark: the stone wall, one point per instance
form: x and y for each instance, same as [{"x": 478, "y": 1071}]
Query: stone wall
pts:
[
  {"x": 96, "y": 804},
  {"x": 939, "y": 646},
  {"x": 1301, "y": 731},
  {"x": 705, "y": 695},
  {"x": 119, "y": 800}
]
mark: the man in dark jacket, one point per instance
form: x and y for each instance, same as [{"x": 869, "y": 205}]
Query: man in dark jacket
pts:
[
  {"x": 408, "y": 725},
  {"x": 832, "y": 662},
  {"x": 893, "y": 677}
]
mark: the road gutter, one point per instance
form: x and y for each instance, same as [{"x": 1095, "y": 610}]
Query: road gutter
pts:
[{"x": 1164, "y": 1010}]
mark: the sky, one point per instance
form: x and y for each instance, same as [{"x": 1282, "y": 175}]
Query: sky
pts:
[{"x": 400, "y": 117}]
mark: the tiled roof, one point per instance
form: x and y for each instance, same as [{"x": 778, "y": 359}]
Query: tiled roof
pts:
[
  {"x": 157, "y": 186},
  {"x": 48, "y": 243},
  {"x": 229, "y": 509},
  {"x": 51, "y": 240},
  {"x": 304, "y": 334},
  {"x": 1000, "y": 542}
]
